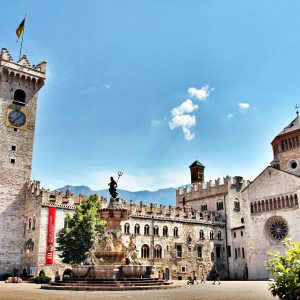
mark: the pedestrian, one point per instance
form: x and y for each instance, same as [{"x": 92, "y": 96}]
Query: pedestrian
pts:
[
  {"x": 159, "y": 275},
  {"x": 203, "y": 276},
  {"x": 194, "y": 277},
  {"x": 215, "y": 276},
  {"x": 163, "y": 275}
]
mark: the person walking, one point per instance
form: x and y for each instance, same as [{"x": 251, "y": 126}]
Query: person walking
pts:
[
  {"x": 194, "y": 277},
  {"x": 203, "y": 276},
  {"x": 215, "y": 276}
]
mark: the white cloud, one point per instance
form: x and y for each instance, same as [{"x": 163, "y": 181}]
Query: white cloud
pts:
[
  {"x": 229, "y": 116},
  {"x": 202, "y": 93},
  {"x": 187, "y": 134},
  {"x": 182, "y": 121},
  {"x": 155, "y": 123},
  {"x": 180, "y": 118},
  {"x": 185, "y": 107},
  {"x": 244, "y": 105},
  {"x": 89, "y": 90},
  {"x": 107, "y": 86}
]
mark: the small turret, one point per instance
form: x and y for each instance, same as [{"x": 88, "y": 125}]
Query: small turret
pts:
[{"x": 197, "y": 172}]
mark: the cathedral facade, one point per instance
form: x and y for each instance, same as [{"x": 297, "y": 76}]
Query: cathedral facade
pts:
[{"x": 229, "y": 224}]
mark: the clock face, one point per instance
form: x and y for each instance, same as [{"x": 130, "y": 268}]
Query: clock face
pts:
[{"x": 17, "y": 118}]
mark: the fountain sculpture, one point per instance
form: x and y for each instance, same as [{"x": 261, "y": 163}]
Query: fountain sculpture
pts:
[{"x": 110, "y": 264}]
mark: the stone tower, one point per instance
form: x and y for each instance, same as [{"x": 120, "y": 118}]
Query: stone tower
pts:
[
  {"x": 19, "y": 86},
  {"x": 197, "y": 172},
  {"x": 286, "y": 148}
]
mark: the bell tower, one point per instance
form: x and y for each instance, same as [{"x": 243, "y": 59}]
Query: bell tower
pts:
[
  {"x": 197, "y": 172},
  {"x": 19, "y": 86},
  {"x": 286, "y": 148}
]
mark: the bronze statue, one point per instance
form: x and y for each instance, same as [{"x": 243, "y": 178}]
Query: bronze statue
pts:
[{"x": 113, "y": 188}]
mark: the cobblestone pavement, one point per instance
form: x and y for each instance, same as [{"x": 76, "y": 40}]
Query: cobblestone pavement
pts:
[{"x": 227, "y": 290}]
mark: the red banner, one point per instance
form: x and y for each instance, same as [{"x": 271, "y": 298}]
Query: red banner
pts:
[{"x": 50, "y": 236}]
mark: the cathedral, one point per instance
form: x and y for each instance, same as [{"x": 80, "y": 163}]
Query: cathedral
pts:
[{"x": 228, "y": 224}]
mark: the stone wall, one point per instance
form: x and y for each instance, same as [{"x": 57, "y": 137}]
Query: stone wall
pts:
[
  {"x": 15, "y": 174},
  {"x": 270, "y": 184}
]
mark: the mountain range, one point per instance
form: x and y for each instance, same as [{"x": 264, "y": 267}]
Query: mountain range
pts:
[{"x": 165, "y": 196}]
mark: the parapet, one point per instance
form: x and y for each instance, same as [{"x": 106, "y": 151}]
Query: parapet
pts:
[
  {"x": 22, "y": 68},
  {"x": 219, "y": 185},
  {"x": 34, "y": 190},
  {"x": 176, "y": 213}
]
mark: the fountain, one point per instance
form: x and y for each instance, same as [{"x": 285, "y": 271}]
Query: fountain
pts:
[{"x": 111, "y": 265}]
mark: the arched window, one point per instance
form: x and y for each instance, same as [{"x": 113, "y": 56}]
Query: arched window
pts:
[
  {"x": 201, "y": 234},
  {"x": 127, "y": 228},
  {"x": 236, "y": 205},
  {"x": 219, "y": 235},
  {"x": 179, "y": 250},
  {"x": 296, "y": 199},
  {"x": 204, "y": 207},
  {"x": 278, "y": 203},
  {"x": 211, "y": 235},
  {"x": 19, "y": 97},
  {"x": 157, "y": 251},
  {"x": 29, "y": 223},
  {"x": 145, "y": 251},
  {"x": 155, "y": 230},
  {"x": 199, "y": 252},
  {"x": 251, "y": 208},
  {"x": 287, "y": 201},
  {"x": 146, "y": 229},
  {"x": 33, "y": 224},
  {"x": 220, "y": 205},
  {"x": 282, "y": 202},
  {"x": 165, "y": 231},
  {"x": 175, "y": 231},
  {"x": 136, "y": 229}
]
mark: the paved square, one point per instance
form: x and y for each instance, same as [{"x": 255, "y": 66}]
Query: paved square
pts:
[{"x": 227, "y": 290}]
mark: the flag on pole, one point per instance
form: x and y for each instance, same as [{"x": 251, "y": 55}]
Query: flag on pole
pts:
[{"x": 20, "y": 29}]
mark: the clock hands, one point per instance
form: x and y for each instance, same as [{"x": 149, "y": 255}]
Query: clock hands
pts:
[{"x": 17, "y": 118}]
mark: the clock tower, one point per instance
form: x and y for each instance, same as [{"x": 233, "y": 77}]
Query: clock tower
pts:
[{"x": 19, "y": 86}]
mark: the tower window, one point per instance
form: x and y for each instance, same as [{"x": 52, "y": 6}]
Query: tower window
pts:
[
  {"x": 12, "y": 160},
  {"x": 19, "y": 97},
  {"x": 15, "y": 129},
  {"x": 13, "y": 148}
]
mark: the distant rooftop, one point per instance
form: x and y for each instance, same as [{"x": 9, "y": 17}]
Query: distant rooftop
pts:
[{"x": 196, "y": 163}]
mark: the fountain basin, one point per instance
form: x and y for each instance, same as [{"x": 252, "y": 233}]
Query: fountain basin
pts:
[
  {"x": 99, "y": 271},
  {"x": 133, "y": 270}
]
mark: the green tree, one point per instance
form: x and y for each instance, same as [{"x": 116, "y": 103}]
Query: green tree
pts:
[
  {"x": 286, "y": 271},
  {"x": 76, "y": 239}
]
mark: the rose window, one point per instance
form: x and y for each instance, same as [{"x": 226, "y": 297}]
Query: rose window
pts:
[{"x": 277, "y": 228}]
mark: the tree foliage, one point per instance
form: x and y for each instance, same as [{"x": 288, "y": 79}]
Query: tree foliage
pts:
[
  {"x": 286, "y": 271},
  {"x": 77, "y": 237}
]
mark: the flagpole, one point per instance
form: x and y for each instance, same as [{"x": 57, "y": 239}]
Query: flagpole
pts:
[{"x": 22, "y": 40}]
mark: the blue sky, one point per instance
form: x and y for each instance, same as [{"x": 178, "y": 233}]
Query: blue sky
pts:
[{"x": 147, "y": 86}]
